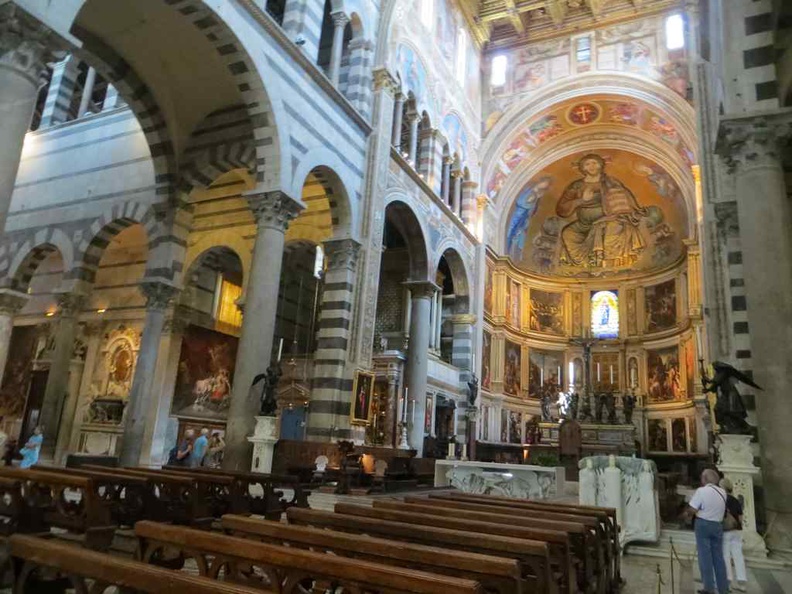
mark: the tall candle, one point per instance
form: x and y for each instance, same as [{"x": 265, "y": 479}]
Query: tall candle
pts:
[
  {"x": 558, "y": 379},
  {"x": 456, "y": 417},
  {"x": 280, "y": 349},
  {"x": 598, "y": 372},
  {"x": 611, "y": 375},
  {"x": 404, "y": 406},
  {"x": 541, "y": 376}
]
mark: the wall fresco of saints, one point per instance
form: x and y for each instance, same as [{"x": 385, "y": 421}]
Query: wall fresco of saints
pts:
[
  {"x": 512, "y": 369},
  {"x": 597, "y": 214},
  {"x": 547, "y": 312},
  {"x": 660, "y": 308},
  {"x": 664, "y": 380}
]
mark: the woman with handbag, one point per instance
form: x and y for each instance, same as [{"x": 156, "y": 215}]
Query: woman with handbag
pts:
[{"x": 732, "y": 538}]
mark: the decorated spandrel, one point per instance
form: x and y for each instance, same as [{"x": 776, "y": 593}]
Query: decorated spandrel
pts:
[{"x": 605, "y": 314}]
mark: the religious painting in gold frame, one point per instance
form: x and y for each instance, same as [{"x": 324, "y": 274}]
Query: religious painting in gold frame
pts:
[{"x": 362, "y": 395}]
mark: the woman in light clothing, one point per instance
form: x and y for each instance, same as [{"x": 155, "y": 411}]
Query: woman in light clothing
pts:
[{"x": 732, "y": 540}]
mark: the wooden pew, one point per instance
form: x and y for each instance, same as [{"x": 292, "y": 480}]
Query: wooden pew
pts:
[
  {"x": 605, "y": 515},
  {"x": 12, "y": 509},
  {"x": 216, "y": 491},
  {"x": 563, "y": 556},
  {"x": 240, "y": 558},
  {"x": 496, "y": 574},
  {"x": 533, "y": 556},
  {"x": 34, "y": 556},
  {"x": 175, "y": 498},
  {"x": 271, "y": 504},
  {"x": 595, "y": 541},
  {"x": 56, "y": 499},
  {"x": 129, "y": 498}
]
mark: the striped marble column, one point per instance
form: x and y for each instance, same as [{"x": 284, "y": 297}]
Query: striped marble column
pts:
[
  {"x": 61, "y": 90},
  {"x": 468, "y": 207},
  {"x": 302, "y": 20},
  {"x": 358, "y": 88},
  {"x": 434, "y": 176},
  {"x": 332, "y": 387},
  {"x": 424, "y": 159},
  {"x": 462, "y": 350}
]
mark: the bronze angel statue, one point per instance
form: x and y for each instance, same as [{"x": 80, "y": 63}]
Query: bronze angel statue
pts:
[{"x": 730, "y": 410}]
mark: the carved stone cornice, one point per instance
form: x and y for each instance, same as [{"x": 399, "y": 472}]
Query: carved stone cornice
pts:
[
  {"x": 26, "y": 45},
  {"x": 755, "y": 141},
  {"x": 71, "y": 304},
  {"x": 341, "y": 254},
  {"x": 11, "y": 301},
  {"x": 421, "y": 289},
  {"x": 158, "y": 294},
  {"x": 274, "y": 210},
  {"x": 385, "y": 81}
]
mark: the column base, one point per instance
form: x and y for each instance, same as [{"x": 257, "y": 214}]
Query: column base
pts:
[
  {"x": 263, "y": 439},
  {"x": 779, "y": 535}
]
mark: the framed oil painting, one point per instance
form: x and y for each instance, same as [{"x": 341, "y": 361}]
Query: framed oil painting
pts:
[
  {"x": 512, "y": 369},
  {"x": 547, "y": 312},
  {"x": 486, "y": 361},
  {"x": 515, "y": 427},
  {"x": 488, "y": 289},
  {"x": 657, "y": 435},
  {"x": 513, "y": 303},
  {"x": 663, "y": 375},
  {"x": 660, "y": 306},
  {"x": 545, "y": 370},
  {"x": 678, "y": 435},
  {"x": 205, "y": 374},
  {"x": 362, "y": 393}
]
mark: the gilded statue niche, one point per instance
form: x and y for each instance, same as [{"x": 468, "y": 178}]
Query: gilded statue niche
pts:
[{"x": 113, "y": 374}]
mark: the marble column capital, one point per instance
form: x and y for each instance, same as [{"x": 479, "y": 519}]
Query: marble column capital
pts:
[
  {"x": 421, "y": 289},
  {"x": 158, "y": 294},
  {"x": 26, "y": 45},
  {"x": 70, "y": 304},
  {"x": 274, "y": 210},
  {"x": 341, "y": 253},
  {"x": 12, "y": 301},
  {"x": 754, "y": 142},
  {"x": 385, "y": 81},
  {"x": 340, "y": 19}
]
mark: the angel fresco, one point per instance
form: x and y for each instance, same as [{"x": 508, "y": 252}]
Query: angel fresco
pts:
[{"x": 604, "y": 230}]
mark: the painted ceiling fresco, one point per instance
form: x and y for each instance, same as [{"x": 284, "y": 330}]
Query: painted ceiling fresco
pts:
[
  {"x": 589, "y": 113},
  {"x": 597, "y": 214}
]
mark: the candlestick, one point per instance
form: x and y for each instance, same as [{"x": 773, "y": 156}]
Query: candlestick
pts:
[
  {"x": 541, "y": 376},
  {"x": 611, "y": 375},
  {"x": 280, "y": 349},
  {"x": 456, "y": 417},
  {"x": 598, "y": 372},
  {"x": 558, "y": 379},
  {"x": 404, "y": 407}
]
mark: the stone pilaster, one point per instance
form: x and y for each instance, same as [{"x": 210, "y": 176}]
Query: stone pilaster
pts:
[
  {"x": 273, "y": 212},
  {"x": 385, "y": 90},
  {"x": 25, "y": 47},
  {"x": 10, "y": 304},
  {"x": 159, "y": 295},
  {"x": 358, "y": 90},
  {"x": 332, "y": 385},
  {"x": 69, "y": 305},
  {"x": 752, "y": 148}
]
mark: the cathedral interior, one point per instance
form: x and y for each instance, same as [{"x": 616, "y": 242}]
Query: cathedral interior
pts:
[{"x": 419, "y": 229}]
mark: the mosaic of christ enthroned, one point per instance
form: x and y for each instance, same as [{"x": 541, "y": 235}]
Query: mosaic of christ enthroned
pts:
[{"x": 597, "y": 214}]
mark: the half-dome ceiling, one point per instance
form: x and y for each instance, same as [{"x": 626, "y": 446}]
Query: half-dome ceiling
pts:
[{"x": 596, "y": 214}]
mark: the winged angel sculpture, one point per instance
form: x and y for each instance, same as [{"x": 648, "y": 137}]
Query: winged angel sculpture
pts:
[{"x": 729, "y": 408}]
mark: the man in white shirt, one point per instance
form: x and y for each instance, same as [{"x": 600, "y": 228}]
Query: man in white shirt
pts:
[{"x": 708, "y": 504}]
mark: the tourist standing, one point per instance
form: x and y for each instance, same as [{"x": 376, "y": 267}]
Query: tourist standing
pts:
[
  {"x": 30, "y": 453},
  {"x": 732, "y": 539},
  {"x": 199, "y": 449},
  {"x": 180, "y": 454},
  {"x": 708, "y": 504},
  {"x": 214, "y": 454}
]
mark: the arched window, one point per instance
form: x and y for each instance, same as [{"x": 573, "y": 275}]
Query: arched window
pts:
[
  {"x": 605, "y": 314},
  {"x": 498, "y": 74},
  {"x": 427, "y": 13},
  {"x": 461, "y": 55},
  {"x": 675, "y": 32}
]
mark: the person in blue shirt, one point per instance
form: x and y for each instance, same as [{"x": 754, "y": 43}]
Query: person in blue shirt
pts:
[
  {"x": 30, "y": 453},
  {"x": 199, "y": 449}
]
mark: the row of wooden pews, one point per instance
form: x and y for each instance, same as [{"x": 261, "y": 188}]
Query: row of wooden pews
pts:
[{"x": 437, "y": 544}]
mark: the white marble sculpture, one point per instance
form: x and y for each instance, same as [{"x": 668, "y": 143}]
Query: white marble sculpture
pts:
[
  {"x": 507, "y": 480},
  {"x": 626, "y": 484}
]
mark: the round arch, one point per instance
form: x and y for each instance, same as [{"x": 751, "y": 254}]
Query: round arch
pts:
[
  {"x": 229, "y": 240},
  {"x": 409, "y": 225},
  {"x": 337, "y": 181},
  {"x": 460, "y": 275},
  {"x": 33, "y": 251}
]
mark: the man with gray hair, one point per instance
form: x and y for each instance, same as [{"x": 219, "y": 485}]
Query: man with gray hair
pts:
[{"x": 708, "y": 505}]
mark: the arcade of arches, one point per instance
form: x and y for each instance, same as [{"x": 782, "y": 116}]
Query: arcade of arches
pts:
[{"x": 433, "y": 236}]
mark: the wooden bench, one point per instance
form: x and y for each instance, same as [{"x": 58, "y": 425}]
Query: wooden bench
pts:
[
  {"x": 174, "y": 498},
  {"x": 605, "y": 515},
  {"x": 533, "y": 556},
  {"x": 495, "y": 574},
  {"x": 255, "y": 563},
  {"x": 11, "y": 506},
  {"x": 56, "y": 499},
  {"x": 565, "y": 563},
  {"x": 216, "y": 491},
  {"x": 36, "y": 559},
  {"x": 270, "y": 504},
  {"x": 594, "y": 544}
]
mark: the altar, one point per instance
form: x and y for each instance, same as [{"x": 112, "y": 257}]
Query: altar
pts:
[
  {"x": 597, "y": 439},
  {"x": 521, "y": 481}
]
